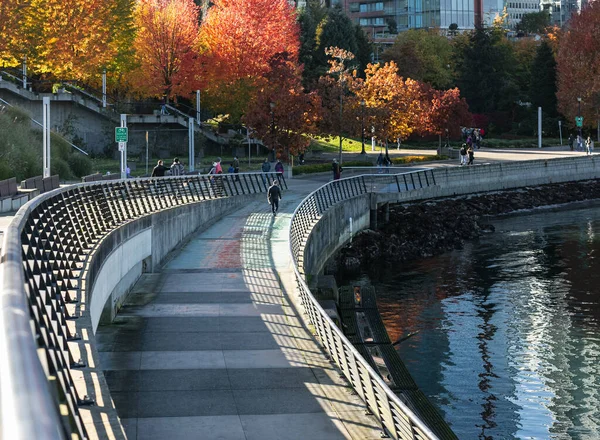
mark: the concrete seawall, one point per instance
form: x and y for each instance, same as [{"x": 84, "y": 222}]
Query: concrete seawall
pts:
[{"x": 332, "y": 230}]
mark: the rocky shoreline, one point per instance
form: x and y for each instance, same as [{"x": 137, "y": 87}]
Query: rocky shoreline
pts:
[{"x": 421, "y": 230}]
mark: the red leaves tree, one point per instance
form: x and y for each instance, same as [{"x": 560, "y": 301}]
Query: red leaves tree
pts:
[
  {"x": 164, "y": 46},
  {"x": 578, "y": 66},
  {"x": 282, "y": 114},
  {"x": 238, "y": 40},
  {"x": 445, "y": 112}
]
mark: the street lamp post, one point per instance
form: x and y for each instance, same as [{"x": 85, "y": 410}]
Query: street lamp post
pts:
[
  {"x": 362, "y": 125},
  {"x": 341, "y": 116},
  {"x": 272, "y": 105},
  {"x": 579, "y": 116}
]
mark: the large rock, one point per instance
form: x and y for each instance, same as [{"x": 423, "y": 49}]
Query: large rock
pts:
[{"x": 428, "y": 228}]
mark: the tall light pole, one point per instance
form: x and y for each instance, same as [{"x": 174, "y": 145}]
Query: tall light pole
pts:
[
  {"x": 579, "y": 116},
  {"x": 362, "y": 125},
  {"x": 272, "y": 105},
  {"x": 341, "y": 116}
]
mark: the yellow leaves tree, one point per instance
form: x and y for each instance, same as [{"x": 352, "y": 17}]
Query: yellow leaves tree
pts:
[{"x": 69, "y": 39}]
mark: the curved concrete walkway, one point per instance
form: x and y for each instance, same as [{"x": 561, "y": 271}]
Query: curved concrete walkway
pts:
[{"x": 212, "y": 346}]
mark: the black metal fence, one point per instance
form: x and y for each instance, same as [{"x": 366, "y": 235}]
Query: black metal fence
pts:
[
  {"x": 397, "y": 419},
  {"x": 44, "y": 254}
]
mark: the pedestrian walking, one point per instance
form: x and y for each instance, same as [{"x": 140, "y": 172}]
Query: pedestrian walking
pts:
[
  {"x": 571, "y": 140},
  {"x": 218, "y": 167},
  {"x": 579, "y": 143},
  {"x": 236, "y": 165},
  {"x": 380, "y": 161},
  {"x": 159, "y": 170},
  {"x": 589, "y": 145},
  {"x": 177, "y": 168},
  {"x": 265, "y": 168},
  {"x": 463, "y": 155},
  {"x": 387, "y": 162},
  {"x": 279, "y": 167},
  {"x": 337, "y": 169},
  {"x": 471, "y": 155},
  {"x": 273, "y": 197}
]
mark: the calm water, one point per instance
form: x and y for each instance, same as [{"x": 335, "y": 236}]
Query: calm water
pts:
[{"x": 509, "y": 343}]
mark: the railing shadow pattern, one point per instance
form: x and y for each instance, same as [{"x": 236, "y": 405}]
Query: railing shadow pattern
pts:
[
  {"x": 44, "y": 255},
  {"x": 396, "y": 418}
]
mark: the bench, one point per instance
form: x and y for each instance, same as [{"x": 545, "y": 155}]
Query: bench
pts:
[{"x": 10, "y": 198}]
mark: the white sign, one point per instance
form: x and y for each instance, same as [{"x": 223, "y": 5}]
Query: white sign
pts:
[{"x": 122, "y": 146}]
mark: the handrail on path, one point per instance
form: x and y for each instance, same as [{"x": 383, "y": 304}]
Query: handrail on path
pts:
[
  {"x": 45, "y": 252},
  {"x": 397, "y": 420}
]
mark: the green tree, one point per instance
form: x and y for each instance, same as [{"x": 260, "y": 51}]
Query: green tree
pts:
[
  {"x": 309, "y": 18},
  {"x": 364, "y": 50},
  {"x": 424, "y": 56},
  {"x": 335, "y": 30},
  {"x": 483, "y": 72},
  {"x": 543, "y": 80},
  {"x": 534, "y": 22}
]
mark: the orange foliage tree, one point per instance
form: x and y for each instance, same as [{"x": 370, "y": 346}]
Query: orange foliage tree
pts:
[
  {"x": 578, "y": 66},
  {"x": 72, "y": 39},
  {"x": 282, "y": 114},
  {"x": 238, "y": 40},
  {"x": 167, "y": 31},
  {"x": 395, "y": 106}
]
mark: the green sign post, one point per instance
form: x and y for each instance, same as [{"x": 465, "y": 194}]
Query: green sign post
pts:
[
  {"x": 579, "y": 121},
  {"x": 121, "y": 134}
]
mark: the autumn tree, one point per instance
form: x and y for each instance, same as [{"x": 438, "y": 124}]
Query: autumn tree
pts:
[
  {"x": 237, "y": 42},
  {"x": 164, "y": 47},
  {"x": 394, "y": 105},
  {"x": 73, "y": 39},
  {"x": 578, "y": 66},
  {"x": 282, "y": 114},
  {"x": 11, "y": 11},
  {"x": 444, "y": 112}
]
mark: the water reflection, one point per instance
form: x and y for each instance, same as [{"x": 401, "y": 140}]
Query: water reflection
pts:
[{"x": 508, "y": 343}]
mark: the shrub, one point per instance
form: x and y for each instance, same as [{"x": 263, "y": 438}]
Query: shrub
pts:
[
  {"x": 80, "y": 164},
  {"x": 60, "y": 167},
  {"x": 413, "y": 159},
  {"x": 326, "y": 167}
]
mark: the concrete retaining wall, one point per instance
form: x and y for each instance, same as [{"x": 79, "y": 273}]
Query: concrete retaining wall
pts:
[
  {"x": 141, "y": 246},
  {"x": 332, "y": 230}
]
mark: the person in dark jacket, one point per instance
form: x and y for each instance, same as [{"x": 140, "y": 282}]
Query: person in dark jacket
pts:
[
  {"x": 177, "y": 168},
  {"x": 273, "y": 197},
  {"x": 159, "y": 170}
]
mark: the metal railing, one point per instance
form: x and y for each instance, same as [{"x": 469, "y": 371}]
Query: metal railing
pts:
[
  {"x": 396, "y": 418},
  {"x": 46, "y": 249}
]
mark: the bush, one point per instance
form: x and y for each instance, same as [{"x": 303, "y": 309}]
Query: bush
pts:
[
  {"x": 412, "y": 159},
  {"x": 60, "y": 167},
  {"x": 326, "y": 167},
  {"x": 80, "y": 164}
]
